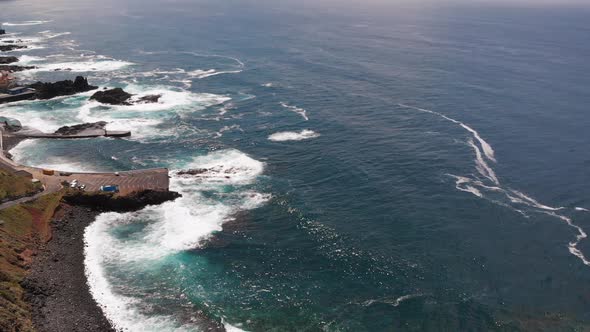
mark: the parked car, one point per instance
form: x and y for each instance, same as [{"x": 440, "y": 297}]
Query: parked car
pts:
[{"x": 110, "y": 188}]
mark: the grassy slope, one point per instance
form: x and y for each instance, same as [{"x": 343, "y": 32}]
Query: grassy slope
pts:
[
  {"x": 15, "y": 186},
  {"x": 24, "y": 228}
]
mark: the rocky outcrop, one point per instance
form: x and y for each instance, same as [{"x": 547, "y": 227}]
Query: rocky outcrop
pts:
[
  {"x": 116, "y": 96},
  {"x": 113, "y": 202},
  {"x": 61, "y": 88},
  {"x": 6, "y": 48},
  {"x": 76, "y": 129},
  {"x": 8, "y": 59},
  {"x": 12, "y": 68},
  {"x": 2, "y": 32},
  {"x": 149, "y": 99},
  {"x": 193, "y": 171}
]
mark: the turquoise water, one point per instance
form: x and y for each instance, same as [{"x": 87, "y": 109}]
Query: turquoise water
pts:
[{"x": 371, "y": 168}]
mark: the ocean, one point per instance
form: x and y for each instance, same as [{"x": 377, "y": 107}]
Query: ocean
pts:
[{"x": 370, "y": 167}]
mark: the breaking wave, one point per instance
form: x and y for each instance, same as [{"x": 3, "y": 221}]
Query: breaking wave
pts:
[
  {"x": 83, "y": 66},
  {"x": 167, "y": 229},
  {"x": 293, "y": 135},
  {"x": 495, "y": 192}
]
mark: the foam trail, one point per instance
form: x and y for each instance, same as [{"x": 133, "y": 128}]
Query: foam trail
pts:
[
  {"x": 460, "y": 181},
  {"x": 534, "y": 202},
  {"x": 200, "y": 74},
  {"x": 582, "y": 209},
  {"x": 238, "y": 61},
  {"x": 486, "y": 147},
  {"x": 25, "y": 23},
  {"x": 47, "y": 34},
  {"x": 293, "y": 136},
  {"x": 401, "y": 299},
  {"x": 573, "y": 246},
  {"x": 478, "y": 189},
  {"x": 393, "y": 302},
  {"x": 483, "y": 168},
  {"x": 296, "y": 109}
]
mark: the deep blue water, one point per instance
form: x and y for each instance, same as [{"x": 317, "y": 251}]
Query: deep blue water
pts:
[{"x": 384, "y": 218}]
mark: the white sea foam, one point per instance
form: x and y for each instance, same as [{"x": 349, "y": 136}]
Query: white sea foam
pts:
[
  {"x": 486, "y": 147},
  {"x": 395, "y": 302},
  {"x": 121, "y": 311},
  {"x": 293, "y": 135},
  {"x": 223, "y": 129},
  {"x": 169, "y": 228},
  {"x": 197, "y": 73},
  {"x": 582, "y": 209},
  {"x": 462, "y": 183},
  {"x": 534, "y": 202},
  {"x": 200, "y": 74},
  {"x": 25, "y": 23},
  {"x": 50, "y": 35},
  {"x": 83, "y": 66},
  {"x": 516, "y": 200},
  {"x": 142, "y": 119},
  {"x": 238, "y": 61},
  {"x": 231, "y": 328},
  {"x": 296, "y": 109},
  {"x": 482, "y": 167},
  {"x": 27, "y": 59}
]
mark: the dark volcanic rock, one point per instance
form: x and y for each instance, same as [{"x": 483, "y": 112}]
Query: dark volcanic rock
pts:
[
  {"x": 55, "y": 286},
  {"x": 12, "y": 68},
  {"x": 6, "y": 48},
  {"x": 149, "y": 99},
  {"x": 110, "y": 202},
  {"x": 62, "y": 88},
  {"x": 114, "y": 96},
  {"x": 73, "y": 130},
  {"x": 2, "y": 31},
  {"x": 8, "y": 59},
  {"x": 194, "y": 171}
]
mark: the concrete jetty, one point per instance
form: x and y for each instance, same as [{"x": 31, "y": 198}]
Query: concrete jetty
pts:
[
  {"x": 26, "y": 132},
  {"x": 52, "y": 180},
  {"x": 8, "y": 98}
]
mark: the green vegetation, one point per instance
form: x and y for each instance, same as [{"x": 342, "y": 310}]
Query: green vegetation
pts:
[
  {"x": 23, "y": 229},
  {"x": 14, "y": 186}
]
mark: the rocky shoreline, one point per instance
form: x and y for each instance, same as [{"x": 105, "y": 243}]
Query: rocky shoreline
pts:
[
  {"x": 6, "y": 48},
  {"x": 56, "y": 287},
  {"x": 61, "y": 88}
]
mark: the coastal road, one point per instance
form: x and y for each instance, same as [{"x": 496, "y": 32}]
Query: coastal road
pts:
[{"x": 22, "y": 200}]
